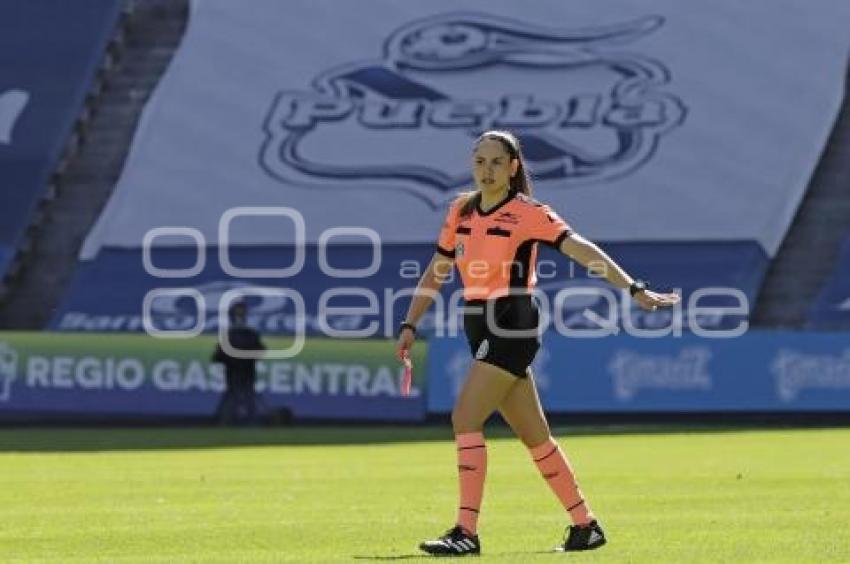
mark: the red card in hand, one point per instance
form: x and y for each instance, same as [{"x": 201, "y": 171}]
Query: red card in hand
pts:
[{"x": 407, "y": 377}]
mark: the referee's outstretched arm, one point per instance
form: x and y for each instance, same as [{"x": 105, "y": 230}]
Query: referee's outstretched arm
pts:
[{"x": 598, "y": 263}]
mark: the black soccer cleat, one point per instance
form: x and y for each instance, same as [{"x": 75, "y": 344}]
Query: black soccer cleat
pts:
[
  {"x": 583, "y": 537},
  {"x": 454, "y": 543}
]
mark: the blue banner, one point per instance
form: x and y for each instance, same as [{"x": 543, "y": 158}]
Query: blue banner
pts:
[
  {"x": 108, "y": 292},
  {"x": 52, "y": 50},
  {"x": 758, "y": 371}
]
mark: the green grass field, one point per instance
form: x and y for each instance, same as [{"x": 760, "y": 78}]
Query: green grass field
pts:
[{"x": 359, "y": 494}]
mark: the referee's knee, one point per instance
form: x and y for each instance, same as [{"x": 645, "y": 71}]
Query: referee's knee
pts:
[
  {"x": 535, "y": 438},
  {"x": 463, "y": 423}
]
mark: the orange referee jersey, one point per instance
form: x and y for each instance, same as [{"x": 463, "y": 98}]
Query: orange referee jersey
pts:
[{"x": 496, "y": 251}]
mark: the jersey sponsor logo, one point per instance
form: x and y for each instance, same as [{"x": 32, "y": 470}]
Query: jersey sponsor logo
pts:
[
  {"x": 587, "y": 106},
  {"x": 507, "y": 217}
]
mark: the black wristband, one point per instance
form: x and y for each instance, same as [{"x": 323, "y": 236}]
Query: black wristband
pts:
[
  {"x": 638, "y": 286},
  {"x": 406, "y": 325}
]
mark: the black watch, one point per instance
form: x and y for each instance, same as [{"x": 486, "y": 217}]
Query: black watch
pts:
[
  {"x": 406, "y": 325},
  {"x": 638, "y": 286}
]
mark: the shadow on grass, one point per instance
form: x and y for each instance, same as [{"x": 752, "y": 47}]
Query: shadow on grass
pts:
[
  {"x": 394, "y": 557},
  {"x": 100, "y": 438},
  {"x": 430, "y": 557}
]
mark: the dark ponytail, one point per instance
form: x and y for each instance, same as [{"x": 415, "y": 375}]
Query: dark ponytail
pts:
[{"x": 520, "y": 183}]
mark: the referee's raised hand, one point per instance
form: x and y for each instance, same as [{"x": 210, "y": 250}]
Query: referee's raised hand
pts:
[{"x": 651, "y": 301}]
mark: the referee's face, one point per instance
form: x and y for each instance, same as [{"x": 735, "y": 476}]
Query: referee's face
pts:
[{"x": 492, "y": 166}]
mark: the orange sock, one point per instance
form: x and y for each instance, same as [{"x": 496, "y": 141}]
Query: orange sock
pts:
[
  {"x": 472, "y": 468},
  {"x": 555, "y": 468}
]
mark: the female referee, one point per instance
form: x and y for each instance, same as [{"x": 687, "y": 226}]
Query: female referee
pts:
[{"x": 491, "y": 235}]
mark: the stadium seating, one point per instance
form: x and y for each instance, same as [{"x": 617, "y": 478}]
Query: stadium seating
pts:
[
  {"x": 631, "y": 171},
  {"x": 675, "y": 244},
  {"x": 831, "y": 308},
  {"x": 58, "y": 47},
  {"x": 809, "y": 252},
  {"x": 137, "y": 56},
  {"x": 646, "y": 130}
]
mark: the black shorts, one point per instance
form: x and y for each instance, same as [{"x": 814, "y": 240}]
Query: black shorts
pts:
[{"x": 488, "y": 343}]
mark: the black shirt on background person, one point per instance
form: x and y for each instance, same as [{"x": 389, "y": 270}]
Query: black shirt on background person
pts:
[{"x": 238, "y": 403}]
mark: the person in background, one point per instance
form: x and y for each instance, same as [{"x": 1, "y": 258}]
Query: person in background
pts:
[{"x": 238, "y": 404}]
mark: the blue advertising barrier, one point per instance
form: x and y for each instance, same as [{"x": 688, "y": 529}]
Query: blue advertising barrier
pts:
[
  {"x": 52, "y": 49},
  {"x": 88, "y": 375},
  {"x": 107, "y": 293},
  {"x": 758, "y": 371}
]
